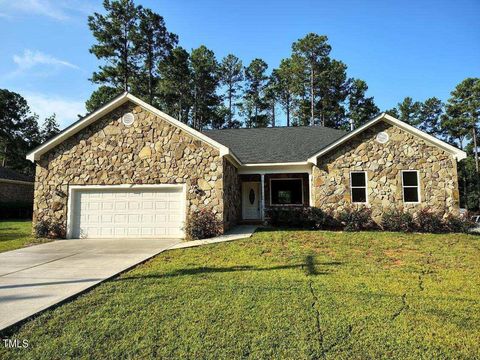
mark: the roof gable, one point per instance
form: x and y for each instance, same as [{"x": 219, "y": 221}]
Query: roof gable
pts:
[
  {"x": 36, "y": 153},
  {"x": 457, "y": 153}
]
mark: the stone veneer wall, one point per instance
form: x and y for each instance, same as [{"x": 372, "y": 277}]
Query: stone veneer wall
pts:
[
  {"x": 383, "y": 163},
  {"x": 150, "y": 151},
  {"x": 231, "y": 195}
]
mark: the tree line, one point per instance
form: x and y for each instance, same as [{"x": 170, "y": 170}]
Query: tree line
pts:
[
  {"x": 20, "y": 131},
  {"x": 140, "y": 55}
]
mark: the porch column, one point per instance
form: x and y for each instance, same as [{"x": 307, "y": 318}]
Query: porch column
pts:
[
  {"x": 262, "y": 197},
  {"x": 310, "y": 189}
]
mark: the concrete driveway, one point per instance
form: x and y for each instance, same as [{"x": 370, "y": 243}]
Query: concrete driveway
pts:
[{"x": 34, "y": 278}]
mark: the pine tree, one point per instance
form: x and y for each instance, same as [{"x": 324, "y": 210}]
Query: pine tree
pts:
[
  {"x": 100, "y": 97},
  {"x": 430, "y": 114},
  {"x": 312, "y": 53},
  {"x": 231, "y": 76},
  {"x": 50, "y": 128},
  {"x": 205, "y": 75},
  {"x": 153, "y": 44},
  {"x": 175, "y": 86},
  {"x": 271, "y": 97},
  {"x": 332, "y": 88},
  {"x": 19, "y": 131},
  {"x": 254, "y": 104},
  {"x": 115, "y": 34},
  {"x": 360, "y": 107},
  {"x": 464, "y": 107},
  {"x": 286, "y": 90},
  {"x": 409, "y": 110}
]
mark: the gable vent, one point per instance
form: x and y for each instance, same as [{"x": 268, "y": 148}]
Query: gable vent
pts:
[{"x": 128, "y": 119}]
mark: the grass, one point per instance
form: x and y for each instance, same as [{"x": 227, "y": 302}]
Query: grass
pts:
[
  {"x": 280, "y": 294},
  {"x": 17, "y": 234}
]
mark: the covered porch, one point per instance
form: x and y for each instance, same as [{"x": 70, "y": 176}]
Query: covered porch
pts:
[{"x": 262, "y": 189}]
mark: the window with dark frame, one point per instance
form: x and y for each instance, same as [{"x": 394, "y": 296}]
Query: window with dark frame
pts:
[
  {"x": 358, "y": 186},
  {"x": 286, "y": 192},
  {"x": 410, "y": 187}
]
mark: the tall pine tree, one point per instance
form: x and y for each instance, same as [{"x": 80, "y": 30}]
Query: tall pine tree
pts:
[
  {"x": 115, "y": 33},
  {"x": 205, "y": 80},
  {"x": 360, "y": 107},
  {"x": 175, "y": 86},
  {"x": 153, "y": 44},
  {"x": 254, "y": 102},
  {"x": 231, "y": 76}
]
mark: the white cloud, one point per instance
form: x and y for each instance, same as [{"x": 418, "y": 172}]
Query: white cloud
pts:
[
  {"x": 66, "y": 110},
  {"x": 41, "y": 7},
  {"x": 60, "y": 10},
  {"x": 30, "y": 58}
]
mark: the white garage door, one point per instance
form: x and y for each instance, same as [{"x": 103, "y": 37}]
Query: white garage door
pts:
[{"x": 127, "y": 213}]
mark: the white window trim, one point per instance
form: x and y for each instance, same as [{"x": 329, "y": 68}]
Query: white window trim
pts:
[
  {"x": 410, "y": 186},
  {"x": 359, "y": 187},
  {"x": 275, "y": 179}
]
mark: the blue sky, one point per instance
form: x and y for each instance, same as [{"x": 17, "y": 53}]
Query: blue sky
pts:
[{"x": 400, "y": 48}]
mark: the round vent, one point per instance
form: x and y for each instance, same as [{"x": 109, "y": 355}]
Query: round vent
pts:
[
  {"x": 128, "y": 119},
  {"x": 382, "y": 137}
]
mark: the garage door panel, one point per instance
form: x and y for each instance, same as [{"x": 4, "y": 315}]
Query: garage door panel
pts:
[{"x": 107, "y": 213}]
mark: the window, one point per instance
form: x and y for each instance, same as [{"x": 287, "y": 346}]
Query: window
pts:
[
  {"x": 358, "y": 186},
  {"x": 286, "y": 192},
  {"x": 410, "y": 186}
]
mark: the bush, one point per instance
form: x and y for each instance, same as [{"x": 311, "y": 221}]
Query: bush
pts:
[
  {"x": 398, "y": 220},
  {"x": 299, "y": 217},
  {"x": 429, "y": 221},
  {"x": 49, "y": 229},
  {"x": 42, "y": 229},
  {"x": 202, "y": 224},
  {"x": 357, "y": 219},
  {"x": 458, "y": 224}
]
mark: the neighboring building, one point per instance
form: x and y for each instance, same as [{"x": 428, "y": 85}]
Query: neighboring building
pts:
[
  {"x": 129, "y": 170},
  {"x": 16, "y": 194}
]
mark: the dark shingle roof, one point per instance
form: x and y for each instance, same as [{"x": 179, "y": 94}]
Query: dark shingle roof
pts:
[
  {"x": 9, "y": 174},
  {"x": 278, "y": 144}
]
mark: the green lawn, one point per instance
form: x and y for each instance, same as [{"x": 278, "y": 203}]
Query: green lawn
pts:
[
  {"x": 16, "y": 234},
  {"x": 280, "y": 294}
]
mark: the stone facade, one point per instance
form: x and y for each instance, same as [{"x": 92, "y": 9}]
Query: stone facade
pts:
[
  {"x": 150, "y": 151},
  {"x": 383, "y": 164},
  {"x": 231, "y": 195}
]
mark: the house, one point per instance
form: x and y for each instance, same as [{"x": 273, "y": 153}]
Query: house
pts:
[
  {"x": 130, "y": 170},
  {"x": 16, "y": 194}
]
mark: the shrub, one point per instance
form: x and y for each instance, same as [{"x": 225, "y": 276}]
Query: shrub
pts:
[
  {"x": 299, "y": 217},
  {"x": 459, "y": 224},
  {"x": 398, "y": 220},
  {"x": 202, "y": 224},
  {"x": 429, "y": 221},
  {"x": 49, "y": 229},
  {"x": 356, "y": 219},
  {"x": 42, "y": 229}
]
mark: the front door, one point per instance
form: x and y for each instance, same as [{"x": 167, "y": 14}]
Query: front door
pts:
[{"x": 251, "y": 200}]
